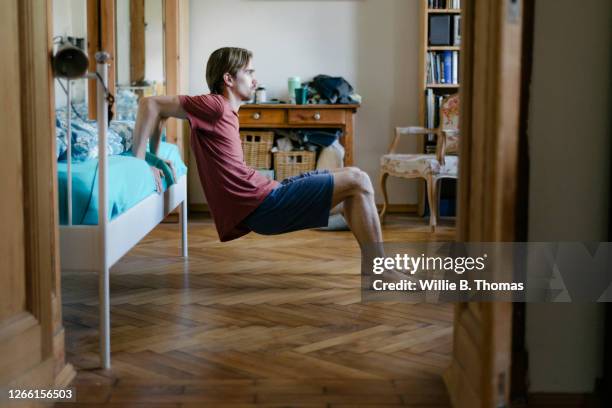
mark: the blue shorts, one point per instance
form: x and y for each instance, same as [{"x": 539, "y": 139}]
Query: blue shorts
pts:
[{"x": 299, "y": 202}]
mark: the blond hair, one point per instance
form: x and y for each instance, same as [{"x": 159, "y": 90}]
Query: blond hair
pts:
[{"x": 225, "y": 60}]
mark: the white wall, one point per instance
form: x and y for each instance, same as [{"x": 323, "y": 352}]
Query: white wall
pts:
[
  {"x": 569, "y": 197},
  {"x": 154, "y": 41},
  {"x": 122, "y": 8},
  {"x": 371, "y": 43},
  {"x": 70, "y": 19}
]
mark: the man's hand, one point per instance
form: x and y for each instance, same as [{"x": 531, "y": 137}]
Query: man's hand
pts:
[{"x": 157, "y": 175}]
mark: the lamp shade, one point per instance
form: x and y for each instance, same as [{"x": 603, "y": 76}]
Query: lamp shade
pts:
[{"x": 70, "y": 62}]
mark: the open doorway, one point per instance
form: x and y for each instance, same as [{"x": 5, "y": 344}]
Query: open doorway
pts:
[
  {"x": 266, "y": 320},
  {"x": 261, "y": 321},
  {"x": 247, "y": 322}
]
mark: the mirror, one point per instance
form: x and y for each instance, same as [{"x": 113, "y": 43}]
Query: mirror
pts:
[
  {"x": 139, "y": 65},
  {"x": 70, "y": 24}
]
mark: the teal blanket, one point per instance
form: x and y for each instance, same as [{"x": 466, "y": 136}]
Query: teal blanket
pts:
[{"x": 130, "y": 180}]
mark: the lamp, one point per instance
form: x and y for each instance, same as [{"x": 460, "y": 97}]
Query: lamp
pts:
[{"x": 70, "y": 62}]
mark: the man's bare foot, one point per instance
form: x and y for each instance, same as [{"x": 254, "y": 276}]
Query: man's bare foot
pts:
[{"x": 398, "y": 276}]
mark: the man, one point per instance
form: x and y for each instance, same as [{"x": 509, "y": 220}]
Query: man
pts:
[{"x": 241, "y": 199}]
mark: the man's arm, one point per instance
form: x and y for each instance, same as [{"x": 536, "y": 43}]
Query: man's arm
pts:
[{"x": 151, "y": 112}]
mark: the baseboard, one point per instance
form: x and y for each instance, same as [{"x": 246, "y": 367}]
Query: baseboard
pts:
[
  {"x": 560, "y": 400},
  {"x": 391, "y": 208},
  {"x": 400, "y": 208},
  {"x": 198, "y": 208},
  {"x": 173, "y": 217}
]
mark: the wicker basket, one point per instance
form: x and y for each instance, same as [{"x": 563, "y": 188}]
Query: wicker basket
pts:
[
  {"x": 287, "y": 164},
  {"x": 256, "y": 146}
]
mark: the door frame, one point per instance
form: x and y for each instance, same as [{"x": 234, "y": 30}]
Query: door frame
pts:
[
  {"x": 493, "y": 177},
  {"x": 34, "y": 337}
]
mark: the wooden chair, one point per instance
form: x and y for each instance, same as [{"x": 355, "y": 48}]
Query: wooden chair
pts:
[{"x": 430, "y": 167}]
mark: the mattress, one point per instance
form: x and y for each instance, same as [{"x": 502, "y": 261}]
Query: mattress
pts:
[{"x": 130, "y": 181}]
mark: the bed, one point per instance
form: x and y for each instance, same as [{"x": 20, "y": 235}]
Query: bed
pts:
[
  {"x": 132, "y": 182},
  {"x": 120, "y": 192}
]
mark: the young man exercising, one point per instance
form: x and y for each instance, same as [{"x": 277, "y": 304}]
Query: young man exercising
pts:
[{"x": 241, "y": 199}]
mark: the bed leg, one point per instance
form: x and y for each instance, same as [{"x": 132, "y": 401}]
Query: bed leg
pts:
[
  {"x": 184, "y": 227},
  {"x": 105, "y": 319}
]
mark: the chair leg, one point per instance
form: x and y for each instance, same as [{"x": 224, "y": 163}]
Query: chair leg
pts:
[
  {"x": 438, "y": 190},
  {"x": 433, "y": 204},
  {"x": 383, "y": 187},
  {"x": 184, "y": 243}
]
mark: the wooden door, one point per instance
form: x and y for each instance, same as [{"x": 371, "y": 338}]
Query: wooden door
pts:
[
  {"x": 479, "y": 375},
  {"x": 31, "y": 334}
]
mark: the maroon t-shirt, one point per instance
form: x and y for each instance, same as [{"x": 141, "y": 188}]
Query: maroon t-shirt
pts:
[{"x": 233, "y": 190}]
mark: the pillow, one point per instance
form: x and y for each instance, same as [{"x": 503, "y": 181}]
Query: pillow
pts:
[
  {"x": 124, "y": 129},
  {"x": 84, "y": 138},
  {"x": 60, "y": 142},
  {"x": 127, "y": 105}
]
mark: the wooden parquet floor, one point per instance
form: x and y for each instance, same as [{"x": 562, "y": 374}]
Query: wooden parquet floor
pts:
[{"x": 256, "y": 322}]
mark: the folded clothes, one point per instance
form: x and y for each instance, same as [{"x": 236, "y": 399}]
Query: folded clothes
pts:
[
  {"x": 336, "y": 223},
  {"x": 331, "y": 157},
  {"x": 321, "y": 137}
]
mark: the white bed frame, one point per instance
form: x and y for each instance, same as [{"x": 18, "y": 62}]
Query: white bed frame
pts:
[{"x": 98, "y": 247}]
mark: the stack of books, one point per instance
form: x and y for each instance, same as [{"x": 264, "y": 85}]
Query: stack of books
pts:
[
  {"x": 443, "y": 67},
  {"x": 444, "y": 4}
]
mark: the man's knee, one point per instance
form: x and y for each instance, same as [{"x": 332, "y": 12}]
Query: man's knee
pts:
[{"x": 361, "y": 181}]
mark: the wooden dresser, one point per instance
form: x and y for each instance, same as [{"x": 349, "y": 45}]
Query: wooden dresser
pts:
[{"x": 303, "y": 116}]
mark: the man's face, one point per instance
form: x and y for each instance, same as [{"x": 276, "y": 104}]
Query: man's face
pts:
[{"x": 244, "y": 84}]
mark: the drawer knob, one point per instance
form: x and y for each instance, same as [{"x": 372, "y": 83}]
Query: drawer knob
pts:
[
  {"x": 317, "y": 116},
  {"x": 256, "y": 115}
]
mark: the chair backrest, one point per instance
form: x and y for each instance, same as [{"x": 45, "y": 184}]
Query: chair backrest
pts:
[
  {"x": 449, "y": 120},
  {"x": 449, "y": 112}
]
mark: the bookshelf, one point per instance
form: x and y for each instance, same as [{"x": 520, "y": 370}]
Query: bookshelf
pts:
[
  {"x": 433, "y": 10},
  {"x": 439, "y": 55}
]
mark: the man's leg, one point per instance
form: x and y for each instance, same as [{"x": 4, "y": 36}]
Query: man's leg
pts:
[
  {"x": 339, "y": 209},
  {"x": 353, "y": 188}
]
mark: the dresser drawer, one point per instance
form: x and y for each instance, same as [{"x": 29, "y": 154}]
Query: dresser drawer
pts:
[
  {"x": 316, "y": 116},
  {"x": 253, "y": 116}
]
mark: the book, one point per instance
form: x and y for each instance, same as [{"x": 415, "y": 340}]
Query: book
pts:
[
  {"x": 440, "y": 32},
  {"x": 448, "y": 67},
  {"x": 429, "y": 104},
  {"x": 432, "y": 66},
  {"x": 455, "y": 61},
  {"x": 456, "y": 30},
  {"x": 444, "y": 4}
]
